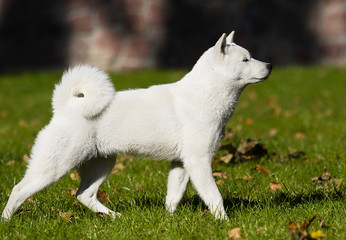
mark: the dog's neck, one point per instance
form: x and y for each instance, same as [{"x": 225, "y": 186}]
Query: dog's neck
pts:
[{"x": 212, "y": 90}]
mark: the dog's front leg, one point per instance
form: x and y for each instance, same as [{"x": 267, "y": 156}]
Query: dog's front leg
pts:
[
  {"x": 202, "y": 178},
  {"x": 176, "y": 186}
]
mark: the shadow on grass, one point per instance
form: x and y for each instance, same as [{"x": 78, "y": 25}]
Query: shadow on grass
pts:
[
  {"x": 288, "y": 200},
  {"x": 233, "y": 204}
]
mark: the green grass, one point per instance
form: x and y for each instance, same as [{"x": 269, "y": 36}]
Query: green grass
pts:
[{"x": 296, "y": 109}]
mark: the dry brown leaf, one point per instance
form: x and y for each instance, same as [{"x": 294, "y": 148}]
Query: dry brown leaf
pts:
[
  {"x": 328, "y": 112},
  {"x": 4, "y": 114},
  {"x": 277, "y": 110},
  {"x": 252, "y": 94},
  {"x": 227, "y": 158},
  {"x": 206, "y": 212},
  {"x": 220, "y": 181},
  {"x": 274, "y": 186},
  {"x": 10, "y": 163},
  {"x": 251, "y": 149},
  {"x": 66, "y": 216},
  {"x": 326, "y": 179},
  {"x": 119, "y": 166},
  {"x": 273, "y": 132},
  {"x": 30, "y": 200},
  {"x": 114, "y": 171},
  {"x": 263, "y": 170},
  {"x": 249, "y": 121},
  {"x": 299, "y": 135},
  {"x": 247, "y": 178},
  {"x": 220, "y": 174},
  {"x": 75, "y": 176},
  {"x": 295, "y": 154},
  {"x": 235, "y": 234},
  {"x": 292, "y": 226},
  {"x": 300, "y": 231},
  {"x": 102, "y": 196},
  {"x": 26, "y": 158},
  {"x": 22, "y": 123},
  {"x": 73, "y": 191}
]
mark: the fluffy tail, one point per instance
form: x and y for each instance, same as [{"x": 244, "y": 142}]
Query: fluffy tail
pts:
[{"x": 88, "y": 88}]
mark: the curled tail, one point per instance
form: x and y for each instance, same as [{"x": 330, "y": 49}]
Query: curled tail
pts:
[{"x": 84, "y": 87}]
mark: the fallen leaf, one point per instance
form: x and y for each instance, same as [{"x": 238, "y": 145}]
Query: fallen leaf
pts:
[
  {"x": 102, "y": 196},
  {"x": 73, "y": 191},
  {"x": 306, "y": 224},
  {"x": 299, "y": 135},
  {"x": 10, "y": 163},
  {"x": 235, "y": 234},
  {"x": 261, "y": 169},
  {"x": 4, "y": 114},
  {"x": 22, "y": 123},
  {"x": 220, "y": 174},
  {"x": 246, "y": 150},
  {"x": 227, "y": 158},
  {"x": 300, "y": 231},
  {"x": 295, "y": 154},
  {"x": 30, "y": 200},
  {"x": 119, "y": 166},
  {"x": 273, "y": 132},
  {"x": 328, "y": 112},
  {"x": 326, "y": 179},
  {"x": 247, "y": 178},
  {"x": 220, "y": 181},
  {"x": 66, "y": 216},
  {"x": 277, "y": 110},
  {"x": 317, "y": 234},
  {"x": 249, "y": 121},
  {"x": 75, "y": 176},
  {"x": 206, "y": 212},
  {"x": 251, "y": 149},
  {"x": 274, "y": 186},
  {"x": 292, "y": 226},
  {"x": 26, "y": 158},
  {"x": 229, "y": 134},
  {"x": 252, "y": 94}
]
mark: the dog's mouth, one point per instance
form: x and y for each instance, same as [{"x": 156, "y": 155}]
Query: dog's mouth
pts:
[
  {"x": 269, "y": 70},
  {"x": 260, "y": 79}
]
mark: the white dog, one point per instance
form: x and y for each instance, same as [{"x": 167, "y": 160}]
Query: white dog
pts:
[{"x": 182, "y": 122}]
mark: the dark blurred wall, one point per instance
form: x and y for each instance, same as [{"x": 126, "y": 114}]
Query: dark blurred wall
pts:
[{"x": 130, "y": 34}]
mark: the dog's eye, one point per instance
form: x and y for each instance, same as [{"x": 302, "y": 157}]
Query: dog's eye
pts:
[{"x": 245, "y": 60}]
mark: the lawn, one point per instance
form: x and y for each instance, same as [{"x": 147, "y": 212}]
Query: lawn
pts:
[{"x": 295, "y": 123}]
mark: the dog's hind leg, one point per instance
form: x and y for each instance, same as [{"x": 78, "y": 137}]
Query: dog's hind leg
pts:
[
  {"x": 93, "y": 173},
  {"x": 176, "y": 186},
  {"x": 39, "y": 175}
]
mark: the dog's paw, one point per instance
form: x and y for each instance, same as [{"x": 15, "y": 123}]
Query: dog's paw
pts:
[{"x": 114, "y": 215}]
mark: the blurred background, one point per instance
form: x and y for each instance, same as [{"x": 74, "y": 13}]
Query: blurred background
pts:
[{"x": 133, "y": 34}]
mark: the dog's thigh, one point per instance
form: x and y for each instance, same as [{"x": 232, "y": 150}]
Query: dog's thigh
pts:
[
  {"x": 93, "y": 173},
  {"x": 176, "y": 186}
]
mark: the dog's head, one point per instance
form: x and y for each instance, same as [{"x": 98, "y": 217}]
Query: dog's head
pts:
[{"x": 236, "y": 63}]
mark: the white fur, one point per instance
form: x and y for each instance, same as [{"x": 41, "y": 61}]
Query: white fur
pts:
[{"x": 182, "y": 122}]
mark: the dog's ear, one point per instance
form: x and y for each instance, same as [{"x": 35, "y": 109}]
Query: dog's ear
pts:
[
  {"x": 220, "y": 45},
  {"x": 230, "y": 37}
]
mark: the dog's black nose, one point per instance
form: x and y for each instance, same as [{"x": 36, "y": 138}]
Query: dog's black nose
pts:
[{"x": 270, "y": 66}]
